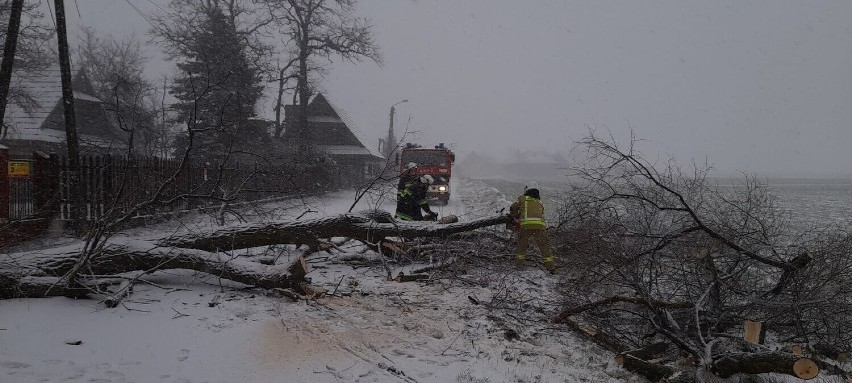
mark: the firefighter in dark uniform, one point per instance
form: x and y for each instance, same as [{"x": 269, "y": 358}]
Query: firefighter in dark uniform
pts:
[
  {"x": 529, "y": 212},
  {"x": 405, "y": 206},
  {"x": 421, "y": 201}
]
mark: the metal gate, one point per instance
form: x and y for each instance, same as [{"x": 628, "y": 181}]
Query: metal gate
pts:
[{"x": 21, "y": 194}]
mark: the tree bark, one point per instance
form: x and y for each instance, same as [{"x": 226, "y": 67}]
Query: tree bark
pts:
[
  {"x": 9, "y": 47},
  {"x": 279, "y": 104},
  {"x": 764, "y": 362},
  {"x": 602, "y": 339},
  {"x": 71, "y": 139},
  {"x": 308, "y": 232},
  {"x": 39, "y": 276},
  {"x": 567, "y": 313},
  {"x": 651, "y": 370},
  {"x": 680, "y": 376},
  {"x": 648, "y": 352}
]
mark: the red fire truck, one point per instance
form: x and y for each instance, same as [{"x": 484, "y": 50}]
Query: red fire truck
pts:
[{"x": 437, "y": 162}]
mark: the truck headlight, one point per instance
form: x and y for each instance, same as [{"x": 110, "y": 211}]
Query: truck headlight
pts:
[{"x": 442, "y": 188}]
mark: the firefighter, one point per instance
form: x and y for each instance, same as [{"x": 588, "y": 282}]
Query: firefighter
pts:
[
  {"x": 419, "y": 193},
  {"x": 405, "y": 205},
  {"x": 529, "y": 212}
]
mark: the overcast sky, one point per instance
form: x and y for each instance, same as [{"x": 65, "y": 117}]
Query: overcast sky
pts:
[{"x": 760, "y": 86}]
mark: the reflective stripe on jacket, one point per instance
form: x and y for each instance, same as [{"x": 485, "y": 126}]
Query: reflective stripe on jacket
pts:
[{"x": 529, "y": 211}]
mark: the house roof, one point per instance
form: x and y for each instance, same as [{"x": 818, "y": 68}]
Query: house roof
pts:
[
  {"x": 328, "y": 128},
  {"x": 345, "y": 150},
  {"x": 35, "y": 112}
]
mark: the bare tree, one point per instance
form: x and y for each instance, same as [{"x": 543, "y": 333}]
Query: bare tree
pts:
[
  {"x": 24, "y": 38},
  {"x": 663, "y": 254},
  {"x": 9, "y": 47},
  {"x": 183, "y": 21},
  {"x": 320, "y": 30},
  {"x": 115, "y": 69}
]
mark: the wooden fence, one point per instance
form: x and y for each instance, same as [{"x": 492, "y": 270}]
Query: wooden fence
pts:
[
  {"x": 153, "y": 185},
  {"x": 148, "y": 185}
]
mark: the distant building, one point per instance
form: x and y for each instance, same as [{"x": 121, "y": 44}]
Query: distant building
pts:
[
  {"x": 34, "y": 115},
  {"x": 329, "y": 133}
]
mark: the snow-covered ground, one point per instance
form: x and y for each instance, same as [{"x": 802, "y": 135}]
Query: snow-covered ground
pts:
[{"x": 190, "y": 327}]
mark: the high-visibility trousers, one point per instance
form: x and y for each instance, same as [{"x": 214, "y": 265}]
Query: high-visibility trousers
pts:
[{"x": 540, "y": 238}]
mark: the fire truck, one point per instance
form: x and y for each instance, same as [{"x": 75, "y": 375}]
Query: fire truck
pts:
[{"x": 437, "y": 162}]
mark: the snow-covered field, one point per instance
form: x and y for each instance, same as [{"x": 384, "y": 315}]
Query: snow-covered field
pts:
[{"x": 190, "y": 327}]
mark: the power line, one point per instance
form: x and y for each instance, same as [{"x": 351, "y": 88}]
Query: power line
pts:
[
  {"x": 52, "y": 18},
  {"x": 156, "y": 5},
  {"x": 141, "y": 14}
]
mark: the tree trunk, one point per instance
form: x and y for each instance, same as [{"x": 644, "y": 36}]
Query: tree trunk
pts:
[
  {"x": 764, "y": 362},
  {"x": 301, "y": 135},
  {"x": 648, "y": 352},
  {"x": 680, "y": 376},
  {"x": 309, "y": 231},
  {"x": 652, "y": 370},
  {"x": 279, "y": 104},
  {"x": 40, "y": 276},
  {"x": 71, "y": 140},
  {"x": 9, "y": 47},
  {"x": 602, "y": 339}
]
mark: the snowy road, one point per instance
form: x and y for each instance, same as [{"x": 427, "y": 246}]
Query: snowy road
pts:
[{"x": 190, "y": 328}]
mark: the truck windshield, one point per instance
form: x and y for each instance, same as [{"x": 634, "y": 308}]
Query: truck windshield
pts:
[{"x": 424, "y": 157}]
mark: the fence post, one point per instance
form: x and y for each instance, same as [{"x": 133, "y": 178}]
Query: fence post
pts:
[
  {"x": 45, "y": 184},
  {"x": 4, "y": 184}
]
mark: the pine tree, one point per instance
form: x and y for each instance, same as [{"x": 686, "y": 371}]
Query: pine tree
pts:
[{"x": 217, "y": 88}]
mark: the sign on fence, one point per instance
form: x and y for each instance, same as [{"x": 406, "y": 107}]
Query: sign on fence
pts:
[{"x": 19, "y": 169}]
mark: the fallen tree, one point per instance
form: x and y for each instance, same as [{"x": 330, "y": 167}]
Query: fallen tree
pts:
[
  {"x": 657, "y": 253},
  {"x": 730, "y": 364},
  {"x": 45, "y": 272},
  {"x": 369, "y": 227}
]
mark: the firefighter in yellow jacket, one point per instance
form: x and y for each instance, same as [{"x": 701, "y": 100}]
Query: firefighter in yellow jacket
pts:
[{"x": 529, "y": 212}]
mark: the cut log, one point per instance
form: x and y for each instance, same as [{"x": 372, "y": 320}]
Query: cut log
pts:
[
  {"x": 753, "y": 332},
  {"x": 602, "y": 339},
  {"x": 650, "y": 369},
  {"x": 123, "y": 291},
  {"x": 680, "y": 376},
  {"x": 830, "y": 369},
  {"x": 831, "y": 352},
  {"x": 299, "y": 268},
  {"x": 402, "y": 277},
  {"x": 651, "y": 351},
  {"x": 764, "y": 362}
]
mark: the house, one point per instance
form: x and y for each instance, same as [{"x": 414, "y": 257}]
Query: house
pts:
[
  {"x": 328, "y": 132},
  {"x": 35, "y": 121}
]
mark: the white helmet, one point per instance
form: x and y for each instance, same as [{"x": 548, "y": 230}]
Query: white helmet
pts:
[
  {"x": 427, "y": 179},
  {"x": 410, "y": 165}
]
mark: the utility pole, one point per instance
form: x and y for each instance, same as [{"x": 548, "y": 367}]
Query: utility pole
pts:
[
  {"x": 390, "y": 144},
  {"x": 9, "y": 47},
  {"x": 70, "y": 119}
]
